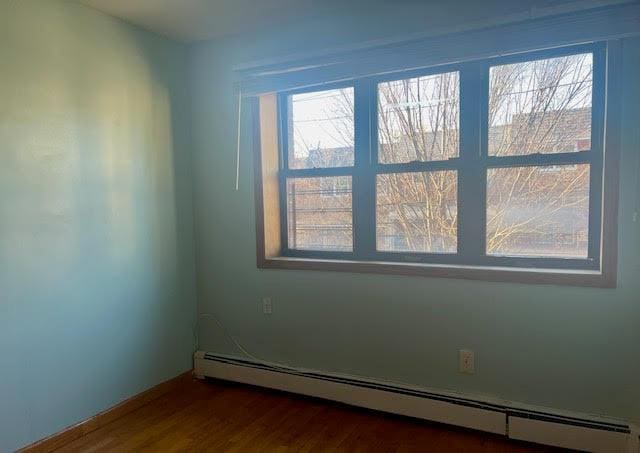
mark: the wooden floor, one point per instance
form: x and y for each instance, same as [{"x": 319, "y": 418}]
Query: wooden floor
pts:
[{"x": 220, "y": 416}]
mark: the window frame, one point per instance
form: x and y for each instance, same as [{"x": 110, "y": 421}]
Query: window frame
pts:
[
  {"x": 472, "y": 155},
  {"x": 317, "y": 172}
]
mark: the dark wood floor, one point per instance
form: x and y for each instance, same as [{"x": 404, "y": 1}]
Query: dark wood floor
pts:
[{"x": 220, "y": 416}]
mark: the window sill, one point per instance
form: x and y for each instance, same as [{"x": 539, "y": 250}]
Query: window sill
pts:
[{"x": 538, "y": 276}]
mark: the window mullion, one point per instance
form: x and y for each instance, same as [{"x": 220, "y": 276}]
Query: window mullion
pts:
[
  {"x": 472, "y": 173},
  {"x": 596, "y": 174},
  {"x": 364, "y": 190},
  {"x": 317, "y": 172}
]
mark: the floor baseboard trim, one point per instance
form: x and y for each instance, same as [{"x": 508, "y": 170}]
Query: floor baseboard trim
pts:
[
  {"x": 67, "y": 435},
  {"x": 518, "y": 421}
]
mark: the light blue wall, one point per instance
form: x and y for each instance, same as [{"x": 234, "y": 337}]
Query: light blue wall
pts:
[
  {"x": 562, "y": 347},
  {"x": 97, "y": 297}
]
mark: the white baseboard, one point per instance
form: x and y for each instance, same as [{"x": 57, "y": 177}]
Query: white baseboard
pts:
[
  {"x": 568, "y": 436},
  {"x": 576, "y": 431}
]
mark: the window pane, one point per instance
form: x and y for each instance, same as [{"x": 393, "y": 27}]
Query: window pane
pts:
[
  {"x": 319, "y": 213},
  {"x": 418, "y": 119},
  {"x": 417, "y": 212},
  {"x": 538, "y": 211},
  {"x": 321, "y": 129},
  {"x": 541, "y": 106}
]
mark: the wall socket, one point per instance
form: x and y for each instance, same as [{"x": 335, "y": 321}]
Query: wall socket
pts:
[
  {"x": 267, "y": 306},
  {"x": 466, "y": 361}
]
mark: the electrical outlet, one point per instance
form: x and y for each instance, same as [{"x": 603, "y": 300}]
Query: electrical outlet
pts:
[
  {"x": 466, "y": 361},
  {"x": 267, "y": 306}
]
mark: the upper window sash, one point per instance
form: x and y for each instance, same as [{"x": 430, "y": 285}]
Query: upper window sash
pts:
[{"x": 311, "y": 103}]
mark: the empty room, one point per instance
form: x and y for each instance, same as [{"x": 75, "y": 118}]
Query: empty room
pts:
[{"x": 319, "y": 225}]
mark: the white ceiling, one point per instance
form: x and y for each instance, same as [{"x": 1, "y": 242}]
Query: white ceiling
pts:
[{"x": 191, "y": 20}]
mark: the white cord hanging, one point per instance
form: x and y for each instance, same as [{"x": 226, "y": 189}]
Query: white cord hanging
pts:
[
  {"x": 636, "y": 207},
  {"x": 238, "y": 141},
  {"x": 236, "y": 343}
]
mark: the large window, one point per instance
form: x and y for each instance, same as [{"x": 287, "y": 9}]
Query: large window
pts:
[{"x": 494, "y": 163}]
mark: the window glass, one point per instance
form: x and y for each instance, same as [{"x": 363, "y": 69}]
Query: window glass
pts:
[
  {"x": 418, "y": 119},
  {"x": 321, "y": 130},
  {"x": 417, "y": 212},
  {"x": 319, "y": 213},
  {"x": 541, "y": 106},
  {"x": 538, "y": 211}
]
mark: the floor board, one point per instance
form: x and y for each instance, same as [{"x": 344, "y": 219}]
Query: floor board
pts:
[{"x": 219, "y": 416}]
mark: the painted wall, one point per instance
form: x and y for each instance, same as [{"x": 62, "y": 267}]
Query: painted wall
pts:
[
  {"x": 562, "y": 347},
  {"x": 97, "y": 292}
]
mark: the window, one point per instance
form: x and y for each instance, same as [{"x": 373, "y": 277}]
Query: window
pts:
[
  {"x": 319, "y": 218},
  {"x": 319, "y": 127},
  {"x": 487, "y": 164},
  {"x": 320, "y": 130},
  {"x": 418, "y": 118},
  {"x": 417, "y": 212}
]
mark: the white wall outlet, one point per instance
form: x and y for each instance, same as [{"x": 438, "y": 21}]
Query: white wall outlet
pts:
[
  {"x": 267, "y": 306},
  {"x": 466, "y": 361}
]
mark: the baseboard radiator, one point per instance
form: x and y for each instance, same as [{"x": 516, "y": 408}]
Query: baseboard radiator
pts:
[{"x": 575, "y": 432}]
